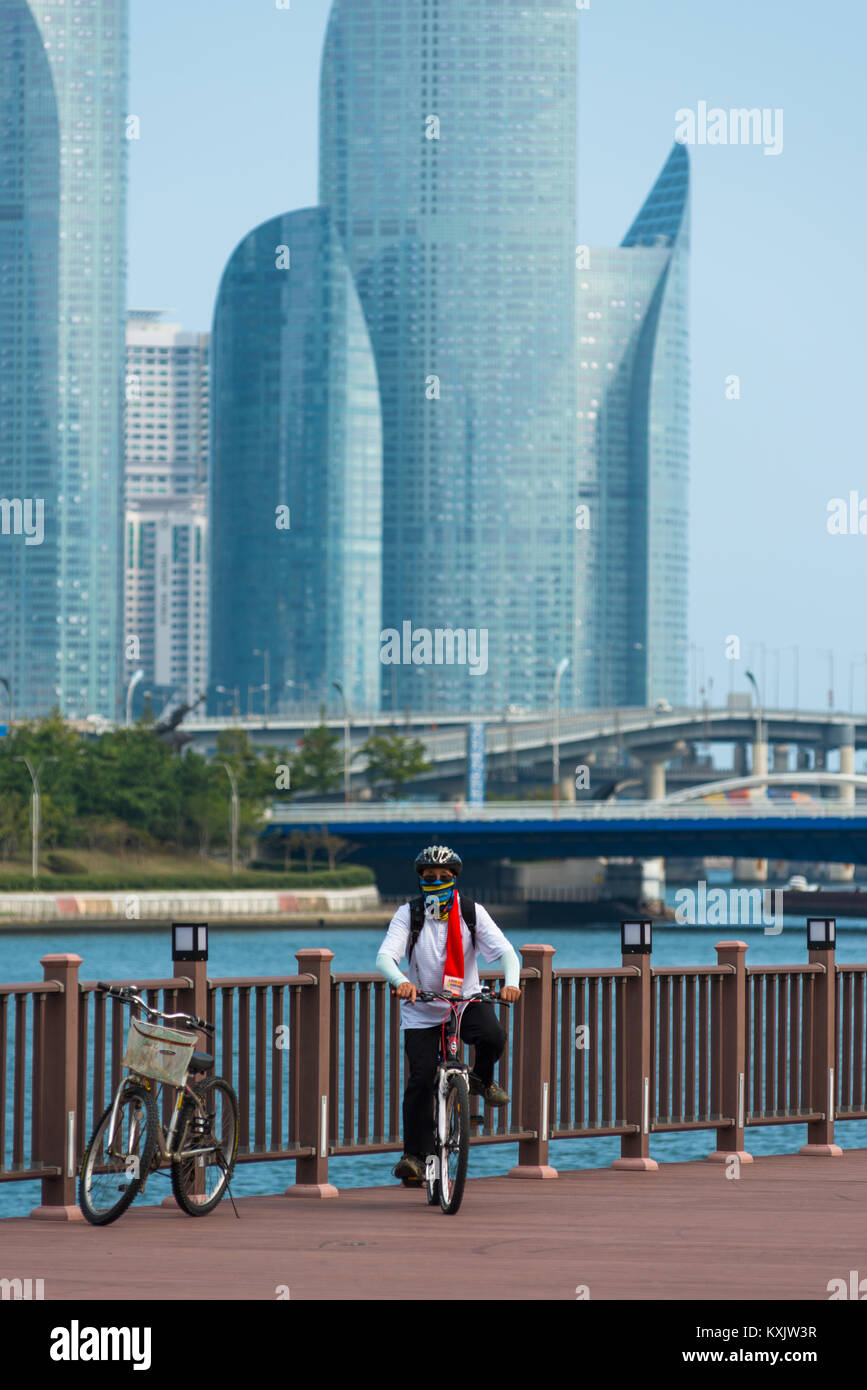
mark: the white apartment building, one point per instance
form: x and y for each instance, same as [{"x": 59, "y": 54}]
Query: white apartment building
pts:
[{"x": 166, "y": 531}]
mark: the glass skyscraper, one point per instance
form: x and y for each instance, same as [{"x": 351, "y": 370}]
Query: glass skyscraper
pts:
[
  {"x": 633, "y": 452},
  {"x": 296, "y": 473},
  {"x": 29, "y": 241},
  {"x": 448, "y": 159},
  {"x": 85, "y": 45}
]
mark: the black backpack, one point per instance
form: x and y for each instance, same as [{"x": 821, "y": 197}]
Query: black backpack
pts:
[{"x": 416, "y": 920}]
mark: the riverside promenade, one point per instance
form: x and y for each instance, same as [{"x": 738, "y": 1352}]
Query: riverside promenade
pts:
[
  {"x": 628, "y": 1052},
  {"x": 782, "y": 1230}
]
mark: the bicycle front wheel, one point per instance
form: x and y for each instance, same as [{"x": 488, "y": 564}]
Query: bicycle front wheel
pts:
[
  {"x": 207, "y": 1147},
  {"x": 454, "y": 1143},
  {"x": 114, "y": 1167}
]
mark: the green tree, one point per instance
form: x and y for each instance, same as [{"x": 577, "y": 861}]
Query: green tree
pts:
[
  {"x": 305, "y": 840},
  {"x": 394, "y": 760},
  {"x": 335, "y": 846},
  {"x": 318, "y": 763},
  {"x": 256, "y": 776},
  {"x": 53, "y": 751},
  {"x": 131, "y": 776}
]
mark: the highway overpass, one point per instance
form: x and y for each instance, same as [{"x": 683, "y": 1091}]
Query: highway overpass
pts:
[{"x": 520, "y": 747}]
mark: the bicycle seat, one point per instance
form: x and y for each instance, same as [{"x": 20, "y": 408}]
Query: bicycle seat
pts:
[{"x": 201, "y": 1061}]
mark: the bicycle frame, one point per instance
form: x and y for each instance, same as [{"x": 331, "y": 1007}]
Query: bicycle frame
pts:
[
  {"x": 447, "y": 1065},
  {"x": 165, "y": 1137}
]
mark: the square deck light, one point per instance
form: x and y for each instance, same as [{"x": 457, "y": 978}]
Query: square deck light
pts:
[
  {"x": 821, "y": 933},
  {"x": 635, "y": 937},
  {"x": 189, "y": 941}
]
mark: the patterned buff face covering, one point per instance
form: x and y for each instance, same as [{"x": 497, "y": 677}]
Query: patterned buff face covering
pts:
[{"x": 438, "y": 895}]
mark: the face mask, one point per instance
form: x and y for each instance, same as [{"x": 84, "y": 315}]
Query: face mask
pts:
[{"x": 439, "y": 894}]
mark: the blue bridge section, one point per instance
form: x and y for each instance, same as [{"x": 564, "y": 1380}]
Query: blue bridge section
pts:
[{"x": 818, "y": 832}]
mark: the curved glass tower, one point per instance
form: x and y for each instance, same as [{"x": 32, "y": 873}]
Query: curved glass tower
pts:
[
  {"x": 29, "y": 231},
  {"x": 296, "y": 472},
  {"x": 448, "y": 158},
  {"x": 633, "y": 452},
  {"x": 86, "y": 48}
]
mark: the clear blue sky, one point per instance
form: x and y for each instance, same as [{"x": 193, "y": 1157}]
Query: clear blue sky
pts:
[{"x": 227, "y": 94}]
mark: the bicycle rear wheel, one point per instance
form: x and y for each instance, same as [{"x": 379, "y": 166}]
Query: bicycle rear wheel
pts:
[
  {"x": 112, "y": 1173},
  {"x": 199, "y": 1178},
  {"x": 455, "y": 1147}
]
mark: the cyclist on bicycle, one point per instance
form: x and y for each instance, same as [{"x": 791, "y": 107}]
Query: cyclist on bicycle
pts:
[{"x": 442, "y": 948}]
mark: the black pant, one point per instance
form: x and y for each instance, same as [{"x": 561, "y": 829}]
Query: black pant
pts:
[{"x": 479, "y": 1027}]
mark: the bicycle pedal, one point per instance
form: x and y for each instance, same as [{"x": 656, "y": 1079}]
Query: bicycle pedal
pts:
[{"x": 413, "y": 1182}]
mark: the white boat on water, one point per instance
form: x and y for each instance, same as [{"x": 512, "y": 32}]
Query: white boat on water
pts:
[{"x": 798, "y": 884}]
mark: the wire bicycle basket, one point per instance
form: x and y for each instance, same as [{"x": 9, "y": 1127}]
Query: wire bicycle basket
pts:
[{"x": 161, "y": 1054}]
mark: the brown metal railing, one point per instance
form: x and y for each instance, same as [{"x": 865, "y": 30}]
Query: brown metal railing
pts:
[
  {"x": 587, "y": 1057},
  {"x": 22, "y": 1013},
  {"x": 851, "y": 1035},
  {"x": 257, "y": 1048},
  {"x": 779, "y": 1014},
  {"x": 686, "y": 1058},
  {"x": 317, "y": 1062}
]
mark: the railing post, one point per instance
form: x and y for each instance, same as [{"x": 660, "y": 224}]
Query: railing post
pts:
[
  {"x": 634, "y": 1039},
  {"x": 57, "y": 1092},
  {"x": 823, "y": 1082},
  {"x": 535, "y": 1064},
  {"x": 193, "y": 1000},
  {"x": 311, "y": 1174},
  {"x": 733, "y": 1040}
]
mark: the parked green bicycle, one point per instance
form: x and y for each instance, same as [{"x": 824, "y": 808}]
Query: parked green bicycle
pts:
[{"x": 130, "y": 1143}]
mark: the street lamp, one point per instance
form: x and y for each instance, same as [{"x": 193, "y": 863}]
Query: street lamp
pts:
[
  {"x": 788, "y": 647},
  {"x": 228, "y": 690},
  {"x": 695, "y": 648},
  {"x": 752, "y": 680},
  {"x": 775, "y": 653},
  {"x": 648, "y": 679},
  {"x": 266, "y": 688},
  {"x": 826, "y": 651},
  {"x": 338, "y": 687},
  {"x": 4, "y": 682},
  {"x": 233, "y": 815},
  {"x": 35, "y": 810},
  {"x": 852, "y": 664},
  {"x": 557, "y": 678},
  {"x": 139, "y": 676}
]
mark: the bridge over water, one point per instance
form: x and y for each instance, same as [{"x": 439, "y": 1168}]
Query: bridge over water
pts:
[{"x": 827, "y": 831}]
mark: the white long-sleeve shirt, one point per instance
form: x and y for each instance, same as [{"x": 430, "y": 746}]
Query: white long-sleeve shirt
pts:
[{"x": 429, "y": 959}]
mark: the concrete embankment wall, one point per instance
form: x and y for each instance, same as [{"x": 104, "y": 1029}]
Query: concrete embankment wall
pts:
[{"x": 175, "y": 905}]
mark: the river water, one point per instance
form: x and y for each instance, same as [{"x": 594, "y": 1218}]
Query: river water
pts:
[{"x": 253, "y": 950}]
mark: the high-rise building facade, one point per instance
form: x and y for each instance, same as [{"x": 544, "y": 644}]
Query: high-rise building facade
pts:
[
  {"x": 296, "y": 474},
  {"x": 448, "y": 161},
  {"x": 166, "y": 541},
  {"x": 85, "y": 44},
  {"x": 633, "y": 452},
  {"x": 29, "y": 449}
]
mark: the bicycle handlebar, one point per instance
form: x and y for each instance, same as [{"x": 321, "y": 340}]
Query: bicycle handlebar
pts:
[
  {"x": 426, "y": 996},
  {"x": 128, "y": 995}
]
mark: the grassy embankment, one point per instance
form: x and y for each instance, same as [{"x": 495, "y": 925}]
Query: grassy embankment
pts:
[{"x": 82, "y": 870}]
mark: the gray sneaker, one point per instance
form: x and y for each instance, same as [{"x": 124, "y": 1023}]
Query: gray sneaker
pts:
[
  {"x": 410, "y": 1169},
  {"x": 495, "y": 1095}
]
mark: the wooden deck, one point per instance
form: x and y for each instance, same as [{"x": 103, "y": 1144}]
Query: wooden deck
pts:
[{"x": 781, "y": 1231}]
